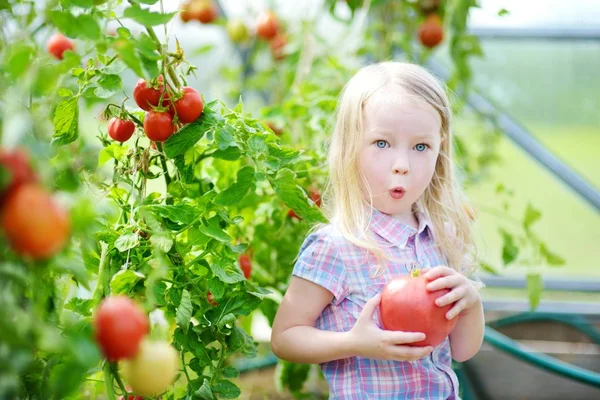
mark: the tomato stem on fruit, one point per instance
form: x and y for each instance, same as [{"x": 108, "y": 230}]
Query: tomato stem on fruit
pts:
[{"x": 114, "y": 369}]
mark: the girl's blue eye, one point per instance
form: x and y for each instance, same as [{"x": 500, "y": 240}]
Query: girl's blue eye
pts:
[
  {"x": 421, "y": 147},
  {"x": 381, "y": 144}
]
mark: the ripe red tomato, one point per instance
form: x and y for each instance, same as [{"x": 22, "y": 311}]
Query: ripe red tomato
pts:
[
  {"x": 158, "y": 125},
  {"x": 315, "y": 196},
  {"x": 407, "y": 305},
  {"x": 431, "y": 32},
  {"x": 153, "y": 369},
  {"x": 34, "y": 224},
  {"x": 267, "y": 25},
  {"x": 18, "y": 171},
  {"x": 58, "y": 44},
  {"x": 131, "y": 397},
  {"x": 246, "y": 265},
  {"x": 120, "y": 129},
  {"x": 203, "y": 11},
  {"x": 277, "y": 46},
  {"x": 147, "y": 96},
  {"x": 211, "y": 299},
  {"x": 189, "y": 106},
  {"x": 120, "y": 325}
]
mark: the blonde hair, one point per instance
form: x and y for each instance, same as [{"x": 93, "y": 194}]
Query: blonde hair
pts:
[{"x": 443, "y": 202}]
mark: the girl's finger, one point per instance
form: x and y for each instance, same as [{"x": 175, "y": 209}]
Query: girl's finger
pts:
[
  {"x": 438, "y": 271},
  {"x": 452, "y": 297},
  {"x": 457, "y": 309},
  {"x": 446, "y": 282}
]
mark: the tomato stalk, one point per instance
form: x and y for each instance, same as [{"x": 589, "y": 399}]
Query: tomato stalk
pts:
[
  {"x": 108, "y": 381},
  {"x": 102, "y": 282}
]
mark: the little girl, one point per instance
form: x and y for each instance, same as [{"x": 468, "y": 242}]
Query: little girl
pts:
[{"x": 394, "y": 205}]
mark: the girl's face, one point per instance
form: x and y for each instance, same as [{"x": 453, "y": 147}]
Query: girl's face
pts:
[{"x": 399, "y": 152}]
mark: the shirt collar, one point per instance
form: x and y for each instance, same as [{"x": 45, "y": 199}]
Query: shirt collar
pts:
[{"x": 395, "y": 231}]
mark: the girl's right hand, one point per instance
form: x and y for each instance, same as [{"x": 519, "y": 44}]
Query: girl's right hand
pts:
[{"x": 370, "y": 341}]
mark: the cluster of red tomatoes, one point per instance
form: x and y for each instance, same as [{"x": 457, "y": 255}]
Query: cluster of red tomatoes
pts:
[
  {"x": 121, "y": 329},
  {"x": 166, "y": 111},
  {"x": 34, "y": 224}
]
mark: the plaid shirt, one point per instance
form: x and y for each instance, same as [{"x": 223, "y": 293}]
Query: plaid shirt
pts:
[{"x": 329, "y": 260}]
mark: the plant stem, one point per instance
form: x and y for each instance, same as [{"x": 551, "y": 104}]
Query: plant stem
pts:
[
  {"x": 102, "y": 271},
  {"x": 108, "y": 383},
  {"x": 163, "y": 162},
  {"x": 159, "y": 47}
]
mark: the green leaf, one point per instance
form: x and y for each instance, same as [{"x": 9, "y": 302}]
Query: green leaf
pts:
[
  {"x": 503, "y": 12},
  {"x": 293, "y": 375},
  {"x": 531, "y": 216},
  {"x": 189, "y": 135},
  {"x": 235, "y": 193},
  {"x": 551, "y": 258},
  {"x": 147, "y": 17},
  {"x": 162, "y": 242},
  {"x": 126, "y": 50},
  {"x": 215, "y": 231},
  {"x": 229, "y": 154},
  {"x": 205, "y": 392},
  {"x": 510, "y": 251},
  {"x": 226, "y": 323},
  {"x": 240, "y": 341},
  {"x": 257, "y": 145},
  {"x": 81, "y": 26},
  {"x": 217, "y": 287},
  {"x": 18, "y": 59},
  {"x": 224, "y": 137},
  {"x": 534, "y": 287},
  {"x": 112, "y": 151},
  {"x": 184, "y": 311},
  {"x": 291, "y": 194},
  {"x": 180, "y": 213},
  {"x": 81, "y": 306},
  {"x": 124, "y": 281},
  {"x": 127, "y": 241},
  {"x": 229, "y": 275},
  {"x": 66, "y": 122},
  {"x": 109, "y": 85},
  {"x": 230, "y": 372},
  {"x": 227, "y": 390}
]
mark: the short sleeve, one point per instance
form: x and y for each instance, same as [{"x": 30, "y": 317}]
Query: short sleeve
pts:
[{"x": 319, "y": 262}]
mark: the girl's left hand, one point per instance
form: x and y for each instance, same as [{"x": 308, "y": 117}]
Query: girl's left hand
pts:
[{"x": 462, "y": 292}]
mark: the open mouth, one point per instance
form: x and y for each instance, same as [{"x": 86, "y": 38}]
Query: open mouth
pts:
[{"x": 397, "y": 193}]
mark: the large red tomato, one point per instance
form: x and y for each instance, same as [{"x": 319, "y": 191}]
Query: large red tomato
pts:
[
  {"x": 147, "y": 96},
  {"x": 120, "y": 325},
  {"x": 407, "y": 305},
  {"x": 34, "y": 224},
  {"x": 158, "y": 125},
  {"x": 189, "y": 106},
  {"x": 17, "y": 171},
  {"x": 120, "y": 129},
  {"x": 153, "y": 369},
  {"x": 431, "y": 32},
  {"x": 58, "y": 44},
  {"x": 267, "y": 25}
]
